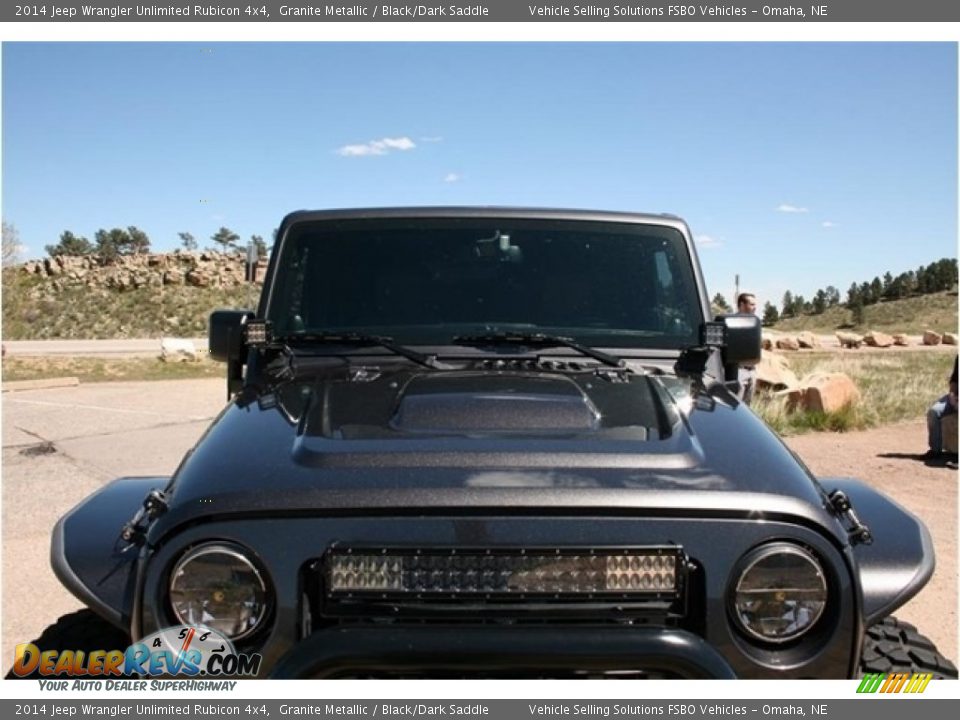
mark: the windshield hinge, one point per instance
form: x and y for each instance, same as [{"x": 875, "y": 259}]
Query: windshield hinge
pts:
[{"x": 857, "y": 532}]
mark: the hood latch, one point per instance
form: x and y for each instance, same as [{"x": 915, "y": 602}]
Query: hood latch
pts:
[
  {"x": 134, "y": 530},
  {"x": 857, "y": 532}
]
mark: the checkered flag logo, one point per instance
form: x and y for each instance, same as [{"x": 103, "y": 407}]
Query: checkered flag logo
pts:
[{"x": 894, "y": 683}]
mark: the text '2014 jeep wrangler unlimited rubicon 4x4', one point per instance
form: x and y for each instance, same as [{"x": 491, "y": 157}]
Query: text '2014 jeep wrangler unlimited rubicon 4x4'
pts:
[{"x": 485, "y": 442}]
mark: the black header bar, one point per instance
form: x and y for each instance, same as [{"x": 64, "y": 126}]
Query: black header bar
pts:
[{"x": 601, "y": 11}]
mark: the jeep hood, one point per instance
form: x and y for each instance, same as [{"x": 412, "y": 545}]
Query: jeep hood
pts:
[{"x": 409, "y": 441}]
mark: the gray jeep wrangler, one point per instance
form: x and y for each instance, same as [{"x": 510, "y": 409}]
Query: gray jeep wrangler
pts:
[{"x": 482, "y": 442}]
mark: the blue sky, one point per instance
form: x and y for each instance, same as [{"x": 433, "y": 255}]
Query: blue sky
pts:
[{"x": 797, "y": 165}]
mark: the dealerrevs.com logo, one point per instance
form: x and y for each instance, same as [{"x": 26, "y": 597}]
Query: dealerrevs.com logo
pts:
[{"x": 182, "y": 650}]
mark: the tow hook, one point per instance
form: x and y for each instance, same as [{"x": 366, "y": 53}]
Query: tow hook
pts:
[
  {"x": 154, "y": 505},
  {"x": 857, "y": 532}
]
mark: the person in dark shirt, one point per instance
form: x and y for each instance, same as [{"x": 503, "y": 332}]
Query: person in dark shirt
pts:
[
  {"x": 947, "y": 405},
  {"x": 747, "y": 375}
]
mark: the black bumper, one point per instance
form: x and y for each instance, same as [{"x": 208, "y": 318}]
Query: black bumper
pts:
[{"x": 430, "y": 651}]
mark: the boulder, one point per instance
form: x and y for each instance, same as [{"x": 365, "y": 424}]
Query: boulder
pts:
[
  {"x": 878, "y": 339},
  {"x": 931, "y": 338},
  {"x": 173, "y": 277},
  {"x": 849, "y": 340},
  {"x": 774, "y": 373},
  {"x": 808, "y": 340},
  {"x": 178, "y": 350},
  {"x": 949, "y": 338},
  {"x": 198, "y": 278},
  {"x": 52, "y": 267},
  {"x": 788, "y": 343},
  {"x": 120, "y": 280},
  {"x": 70, "y": 263},
  {"x": 828, "y": 392},
  {"x": 901, "y": 340}
]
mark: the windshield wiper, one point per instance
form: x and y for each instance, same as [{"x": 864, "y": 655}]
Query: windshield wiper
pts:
[
  {"x": 353, "y": 338},
  {"x": 538, "y": 340}
]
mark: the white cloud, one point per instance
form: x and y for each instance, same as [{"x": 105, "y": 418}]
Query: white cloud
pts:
[
  {"x": 828, "y": 224},
  {"x": 707, "y": 242},
  {"x": 787, "y": 208},
  {"x": 452, "y": 178},
  {"x": 377, "y": 147}
]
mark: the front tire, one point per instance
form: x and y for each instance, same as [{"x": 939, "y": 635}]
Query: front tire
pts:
[
  {"x": 80, "y": 630},
  {"x": 892, "y": 646}
]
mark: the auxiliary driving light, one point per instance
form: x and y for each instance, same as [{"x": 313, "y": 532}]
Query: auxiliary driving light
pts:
[
  {"x": 257, "y": 332},
  {"x": 714, "y": 334}
]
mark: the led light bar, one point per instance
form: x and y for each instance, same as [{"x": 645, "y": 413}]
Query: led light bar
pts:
[{"x": 469, "y": 572}]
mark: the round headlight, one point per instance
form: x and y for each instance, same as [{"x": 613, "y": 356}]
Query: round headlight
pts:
[
  {"x": 218, "y": 586},
  {"x": 781, "y": 593}
]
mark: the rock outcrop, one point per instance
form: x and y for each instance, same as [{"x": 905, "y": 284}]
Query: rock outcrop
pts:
[{"x": 126, "y": 272}]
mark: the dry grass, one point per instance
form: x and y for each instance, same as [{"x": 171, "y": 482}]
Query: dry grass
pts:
[{"x": 893, "y": 386}]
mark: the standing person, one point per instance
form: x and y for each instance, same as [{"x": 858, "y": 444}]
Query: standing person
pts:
[
  {"x": 747, "y": 375},
  {"x": 947, "y": 405}
]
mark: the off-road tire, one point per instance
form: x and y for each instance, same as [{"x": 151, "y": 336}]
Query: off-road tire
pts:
[
  {"x": 80, "y": 630},
  {"x": 892, "y": 646}
]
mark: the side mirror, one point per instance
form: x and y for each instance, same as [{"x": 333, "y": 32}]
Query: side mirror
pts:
[
  {"x": 739, "y": 338},
  {"x": 744, "y": 340},
  {"x": 226, "y": 343},
  {"x": 226, "y": 334}
]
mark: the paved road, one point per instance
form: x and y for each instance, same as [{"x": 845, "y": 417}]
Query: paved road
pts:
[
  {"x": 106, "y": 430},
  {"x": 139, "y": 347}
]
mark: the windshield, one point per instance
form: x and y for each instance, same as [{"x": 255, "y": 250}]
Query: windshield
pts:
[{"x": 425, "y": 281}]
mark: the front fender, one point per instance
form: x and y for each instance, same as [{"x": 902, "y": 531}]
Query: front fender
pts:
[
  {"x": 87, "y": 555},
  {"x": 899, "y": 562}
]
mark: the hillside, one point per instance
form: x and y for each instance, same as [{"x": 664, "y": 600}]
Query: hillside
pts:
[
  {"x": 913, "y": 315},
  {"x": 138, "y": 296}
]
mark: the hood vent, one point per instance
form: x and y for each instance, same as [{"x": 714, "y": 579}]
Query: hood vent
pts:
[{"x": 508, "y": 403}]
